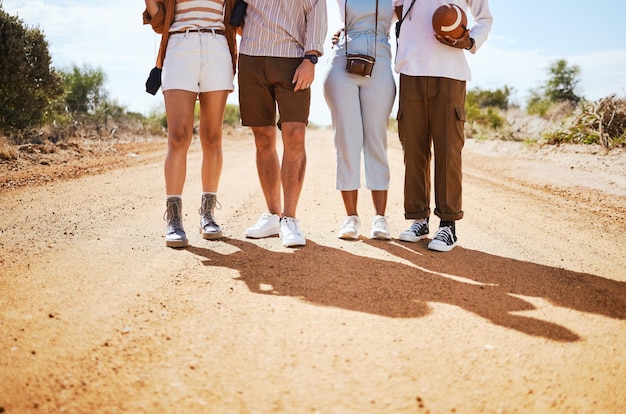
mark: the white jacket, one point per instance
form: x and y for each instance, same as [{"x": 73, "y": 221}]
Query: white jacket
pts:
[{"x": 421, "y": 54}]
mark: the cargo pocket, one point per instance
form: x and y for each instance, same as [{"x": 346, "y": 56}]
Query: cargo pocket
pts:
[{"x": 460, "y": 113}]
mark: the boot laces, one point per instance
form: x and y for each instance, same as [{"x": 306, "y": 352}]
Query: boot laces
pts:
[
  {"x": 173, "y": 215},
  {"x": 209, "y": 204}
]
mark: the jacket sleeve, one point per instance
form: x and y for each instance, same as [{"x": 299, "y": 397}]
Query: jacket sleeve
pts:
[
  {"x": 482, "y": 22},
  {"x": 157, "y": 21}
]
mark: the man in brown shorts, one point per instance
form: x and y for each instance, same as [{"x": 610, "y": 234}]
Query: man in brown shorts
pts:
[{"x": 280, "y": 44}]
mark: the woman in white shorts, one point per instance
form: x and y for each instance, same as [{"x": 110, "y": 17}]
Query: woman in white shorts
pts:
[{"x": 198, "y": 59}]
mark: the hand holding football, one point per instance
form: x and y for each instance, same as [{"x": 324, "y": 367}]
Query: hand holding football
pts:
[{"x": 450, "y": 20}]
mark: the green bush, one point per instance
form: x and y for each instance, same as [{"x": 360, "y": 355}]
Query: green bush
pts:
[
  {"x": 537, "y": 104},
  {"x": 560, "y": 87},
  {"x": 29, "y": 83},
  {"x": 484, "y": 98},
  {"x": 484, "y": 107},
  {"x": 232, "y": 116}
]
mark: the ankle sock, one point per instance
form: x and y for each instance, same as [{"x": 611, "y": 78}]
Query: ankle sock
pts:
[{"x": 448, "y": 224}]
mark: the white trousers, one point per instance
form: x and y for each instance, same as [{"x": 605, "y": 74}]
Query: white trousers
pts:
[{"x": 360, "y": 109}]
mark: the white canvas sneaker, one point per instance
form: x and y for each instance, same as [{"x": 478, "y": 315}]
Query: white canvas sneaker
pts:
[
  {"x": 380, "y": 228},
  {"x": 444, "y": 239},
  {"x": 418, "y": 231},
  {"x": 290, "y": 232},
  {"x": 267, "y": 226},
  {"x": 350, "y": 228}
]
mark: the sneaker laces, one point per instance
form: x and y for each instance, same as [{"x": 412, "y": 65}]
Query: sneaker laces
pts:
[
  {"x": 351, "y": 221},
  {"x": 418, "y": 226},
  {"x": 445, "y": 234},
  {"x": 264, "y": 219},
  {"x": 292, "y": 225},
  {"x": 380, "y": 222}
]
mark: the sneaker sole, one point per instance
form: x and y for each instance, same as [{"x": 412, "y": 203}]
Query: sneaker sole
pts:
[
  {"x": 411, "y": 239},
  {"x": 381, "y": 237},
  {"x": 348, "y": 236},
  {"x": 211, "y": 236},
  {"x": 260, "y": 236},
  {"x": 441, "y": 247},
  {"x": 294, "y": 244},
  {"x": 177, "y": 244}
]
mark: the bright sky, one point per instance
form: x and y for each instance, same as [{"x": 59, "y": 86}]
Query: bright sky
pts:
[{"x": 527, "y": 37}]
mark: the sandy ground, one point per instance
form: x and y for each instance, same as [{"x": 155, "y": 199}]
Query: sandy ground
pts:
[{"x": 526, "y": 315}]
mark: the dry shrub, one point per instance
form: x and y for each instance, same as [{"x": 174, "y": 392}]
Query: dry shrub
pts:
[
  {"x": 559, "y": 111},
  {"x": 612, "y": 121},
  {"x": 8, "y": 151},
  {"x": 602, "y": 122}
]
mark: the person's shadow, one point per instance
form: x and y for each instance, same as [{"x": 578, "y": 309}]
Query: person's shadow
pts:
[{"x": 489, "y": 286}]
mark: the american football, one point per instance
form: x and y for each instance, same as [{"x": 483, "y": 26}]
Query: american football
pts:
[{"x": 450, "y": 20}]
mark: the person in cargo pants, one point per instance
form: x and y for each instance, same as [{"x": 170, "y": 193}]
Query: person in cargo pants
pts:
[{"x": 433, "y": 74}]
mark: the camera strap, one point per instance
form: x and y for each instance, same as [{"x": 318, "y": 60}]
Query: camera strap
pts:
[
  {"x": 345, "y": 16},
  {"x": 399, "y": 22}
]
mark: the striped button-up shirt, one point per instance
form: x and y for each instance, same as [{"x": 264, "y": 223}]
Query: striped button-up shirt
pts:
[{"x": 284, "y": 28}]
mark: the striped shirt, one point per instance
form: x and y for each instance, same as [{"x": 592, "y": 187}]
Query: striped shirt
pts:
[
  {"x": 195, "y": 14},
  {"x": 284, "y": 28}
]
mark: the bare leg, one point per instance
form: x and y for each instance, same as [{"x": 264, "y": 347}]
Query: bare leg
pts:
[
  {"x": 379, "y": 197},
  {"x": 268, "y": 166},
  {"x": 350, "y": 199},
  {"x": 293, "y": 165},
  {"x": 212, "y": 106},
  {"x": 179, "y": 107}
]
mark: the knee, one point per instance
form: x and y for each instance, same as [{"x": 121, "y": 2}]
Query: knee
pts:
[
  {"x": 294, "y": 130},
  {"x": 211, "y": 140},
  {"x": 293, "y": 136},
  {"x": 265, "y": 138},
  {"x": 178, "y": 138}
]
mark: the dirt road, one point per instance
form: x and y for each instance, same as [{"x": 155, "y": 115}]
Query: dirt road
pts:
[{"x": 526, "y": 315}]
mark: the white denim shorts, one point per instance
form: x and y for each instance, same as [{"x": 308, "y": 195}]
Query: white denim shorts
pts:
[{"x": 197, "y": 62}]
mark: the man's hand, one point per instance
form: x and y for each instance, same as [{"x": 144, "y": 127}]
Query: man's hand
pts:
[
  {"x": 303, "y": 78},
  {"x": 462, "y": 42}
]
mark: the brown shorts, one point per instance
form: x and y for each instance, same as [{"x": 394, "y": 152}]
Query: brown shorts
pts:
[{"x": 265, "y": 82}]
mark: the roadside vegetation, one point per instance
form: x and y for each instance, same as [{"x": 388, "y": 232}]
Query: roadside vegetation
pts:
[
  {"x": 554, "y": 114},
  {"x": 40, "y": 103}
]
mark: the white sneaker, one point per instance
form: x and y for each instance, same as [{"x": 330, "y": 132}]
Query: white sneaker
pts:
[
  {"x": 350, "y": 228},
  {"x": 290, "y": 232},
  {"x": 380, "y": 228},
  {"x": 444, "y": 239},
  {"x": 268, "y": 225},
  {"x": 418, "y": 231}
]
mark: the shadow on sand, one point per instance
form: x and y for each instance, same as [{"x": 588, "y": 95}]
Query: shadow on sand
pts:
[{"x": 489, "y": 286}]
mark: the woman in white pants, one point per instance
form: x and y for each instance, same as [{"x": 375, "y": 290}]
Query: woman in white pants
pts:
[{"x": 360, "y": 107}]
